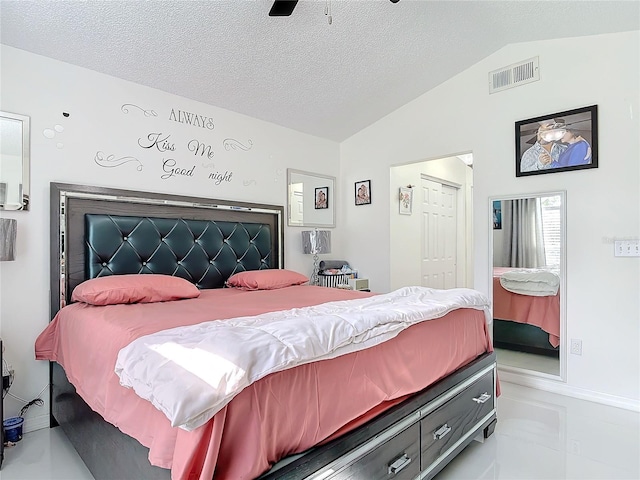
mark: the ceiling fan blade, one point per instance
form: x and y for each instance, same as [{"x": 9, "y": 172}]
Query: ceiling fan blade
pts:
[{"x": 282, "y": 8}]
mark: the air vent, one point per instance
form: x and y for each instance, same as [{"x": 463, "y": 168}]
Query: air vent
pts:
[{"x": 514, "y": 75}]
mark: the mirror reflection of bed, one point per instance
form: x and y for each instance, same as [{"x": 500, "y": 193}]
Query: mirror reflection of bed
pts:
[{"x": 527, "y": 264}]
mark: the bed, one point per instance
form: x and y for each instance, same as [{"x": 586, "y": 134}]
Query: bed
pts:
[
  {"x": 425, "y": 399},
  {"x": 526, "y": 310}
]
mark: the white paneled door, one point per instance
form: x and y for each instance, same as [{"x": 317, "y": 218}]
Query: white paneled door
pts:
[{"x": 439, "y": 234}]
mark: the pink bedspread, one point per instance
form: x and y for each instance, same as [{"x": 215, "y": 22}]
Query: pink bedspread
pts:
[
  {"x": 281, "y": 414},
  {"x": 543, "y": 312}
]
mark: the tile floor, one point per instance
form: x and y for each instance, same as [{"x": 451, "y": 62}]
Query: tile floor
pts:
[
  {"x": 539, "y": 436},
  {"x": 528, "y": 361}
]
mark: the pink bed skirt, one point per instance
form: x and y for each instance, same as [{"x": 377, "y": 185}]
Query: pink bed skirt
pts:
[
  {"x": 284, "y": 413},
  {"x": 543, "y": 312}
]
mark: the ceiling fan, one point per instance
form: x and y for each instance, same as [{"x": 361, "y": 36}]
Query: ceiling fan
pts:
[{"x": 284, "y": 8}]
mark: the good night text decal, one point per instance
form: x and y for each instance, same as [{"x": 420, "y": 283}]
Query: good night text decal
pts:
[{"x": 178, "y": 156}]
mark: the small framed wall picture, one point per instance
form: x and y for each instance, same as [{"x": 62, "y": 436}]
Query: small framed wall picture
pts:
[
  {"x": 406, "y": 200},
  {"x": 321, "y": 197},
  {"x": 497, "y": 215},
  {"x": 557, "y": 142},
  {"x": 363, "y": 192}
]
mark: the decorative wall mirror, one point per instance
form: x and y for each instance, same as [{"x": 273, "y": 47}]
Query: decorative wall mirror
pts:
[
  {"x": 528, "y": 283},
  {"x": 14, "y": 161},
  {"x": 311, "y": 199}
]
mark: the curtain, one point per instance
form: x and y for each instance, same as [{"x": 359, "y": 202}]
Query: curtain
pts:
[{"x": 523, "y": 239}]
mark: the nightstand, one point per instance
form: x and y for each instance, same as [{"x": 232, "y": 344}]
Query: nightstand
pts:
[{"x": 359, "y": 284}]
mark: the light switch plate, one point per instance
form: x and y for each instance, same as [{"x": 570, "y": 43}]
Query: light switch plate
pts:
[{"x": 627, "y": 248}]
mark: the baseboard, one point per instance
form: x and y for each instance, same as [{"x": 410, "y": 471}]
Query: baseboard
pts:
[
  {"x": 32, "y": 424},
  {"x": 569, "y": 391}
]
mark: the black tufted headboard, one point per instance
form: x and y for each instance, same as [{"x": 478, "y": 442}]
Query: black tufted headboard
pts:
[
  {"x": 200, "y": 239},
  {"x": 205, "y": 252}
]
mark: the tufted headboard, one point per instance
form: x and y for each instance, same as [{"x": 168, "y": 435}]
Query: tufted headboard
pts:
[
  {"x": 98, "y": 231},
  {"x": 205, "y": 252}
]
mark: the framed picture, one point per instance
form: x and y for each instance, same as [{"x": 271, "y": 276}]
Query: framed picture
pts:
[
  {"x": 406, "y": 200},
  {"x": 321, "y": 197},
  {"x": 558, "y": 142},
  {"x": 497, "y": 215},
  {"x": 363, "y": 192}
]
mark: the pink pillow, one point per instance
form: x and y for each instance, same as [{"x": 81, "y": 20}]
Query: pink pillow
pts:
[
  {"x": 144, "y": 288},
  {"x": 266, "y": 279}
]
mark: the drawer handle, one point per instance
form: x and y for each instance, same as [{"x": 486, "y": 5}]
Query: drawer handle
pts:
[
  {"x": 398, "y": 464},
  {"x": 482, "y": 398},
  {"x": 441, "y": 432}
]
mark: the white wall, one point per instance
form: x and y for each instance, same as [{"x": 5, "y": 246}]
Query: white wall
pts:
[
  {"x": 43, "y": 89},
  {"x": 460, "y": 116}
]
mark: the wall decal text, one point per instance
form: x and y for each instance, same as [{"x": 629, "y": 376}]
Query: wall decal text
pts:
[
  {"x": 159, "y": 141},
  {"x": 230, "y": 143},
  {"x": 147, "y": 113},
  {"x": 176, "y": 153},
  {"x": 200, "y": 149},
  {"x": 219, "y": 177},
  {"x": 111, "y": 161},
  {"x": 170, "y": 169},
  {"x": 190, "y": 118}
]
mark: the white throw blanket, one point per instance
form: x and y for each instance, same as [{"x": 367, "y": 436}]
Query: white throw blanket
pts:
[
  {"x": 531, "y": 281},
  {"x": 190, "y": 373}
]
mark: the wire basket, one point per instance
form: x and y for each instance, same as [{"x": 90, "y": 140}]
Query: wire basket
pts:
[{"x": 334, "y": 280}]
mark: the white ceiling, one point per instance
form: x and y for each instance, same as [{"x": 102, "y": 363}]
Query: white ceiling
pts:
[{"x": 299, "y": 71}]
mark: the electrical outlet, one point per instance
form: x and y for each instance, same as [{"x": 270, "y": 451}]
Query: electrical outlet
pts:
[
  {"x": 574, "y": 447},
  {"x": 576, "y": 346}
]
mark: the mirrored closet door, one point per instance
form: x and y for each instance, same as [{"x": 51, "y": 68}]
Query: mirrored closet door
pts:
[{"x": 528, "y": 288}]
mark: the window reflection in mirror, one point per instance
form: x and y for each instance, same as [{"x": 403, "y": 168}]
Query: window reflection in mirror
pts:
[
  {"x": 304, "y": 209},
  {"x": 527, "y": 232},
  {"x": 14, "y": 161}
]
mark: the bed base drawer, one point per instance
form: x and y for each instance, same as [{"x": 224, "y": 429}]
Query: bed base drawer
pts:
[
  {"x": 443, "y": 428},
  {"x": 397, "y": 459},
  {"x": 399, "y": 444}
]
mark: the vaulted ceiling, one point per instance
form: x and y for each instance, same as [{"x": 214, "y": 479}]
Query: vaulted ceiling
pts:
[{"x": 303, "y": 72}]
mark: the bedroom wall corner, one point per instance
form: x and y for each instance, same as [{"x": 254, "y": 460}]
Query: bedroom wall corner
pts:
[
  {"x": 123, "y": 135},
  {"x": 461, "y": 116}
]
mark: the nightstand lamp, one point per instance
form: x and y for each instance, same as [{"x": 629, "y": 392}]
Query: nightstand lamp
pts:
[
  {"x": 316, "y": 242},
  {"x": 8, "y": 228}
]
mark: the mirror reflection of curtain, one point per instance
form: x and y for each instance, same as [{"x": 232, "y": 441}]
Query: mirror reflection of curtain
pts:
[{"x": 523, "y": 235}]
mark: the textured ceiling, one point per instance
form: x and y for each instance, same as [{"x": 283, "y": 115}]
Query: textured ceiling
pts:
[{"x": 329, "y": 80}]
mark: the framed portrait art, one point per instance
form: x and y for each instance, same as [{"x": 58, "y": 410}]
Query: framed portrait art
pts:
[
  {"x": 363, "y": 192},
  {"x": 321, "y": 197},
  {"x": 558, "y": 142},
  {"x": 406, "y": 199}
]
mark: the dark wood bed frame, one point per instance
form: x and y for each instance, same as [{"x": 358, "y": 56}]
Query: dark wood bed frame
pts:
[
  {"x": 396, "y": 444},
  {"x": 513, "y": 334},
  {"x": 522, "y": 337}
]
